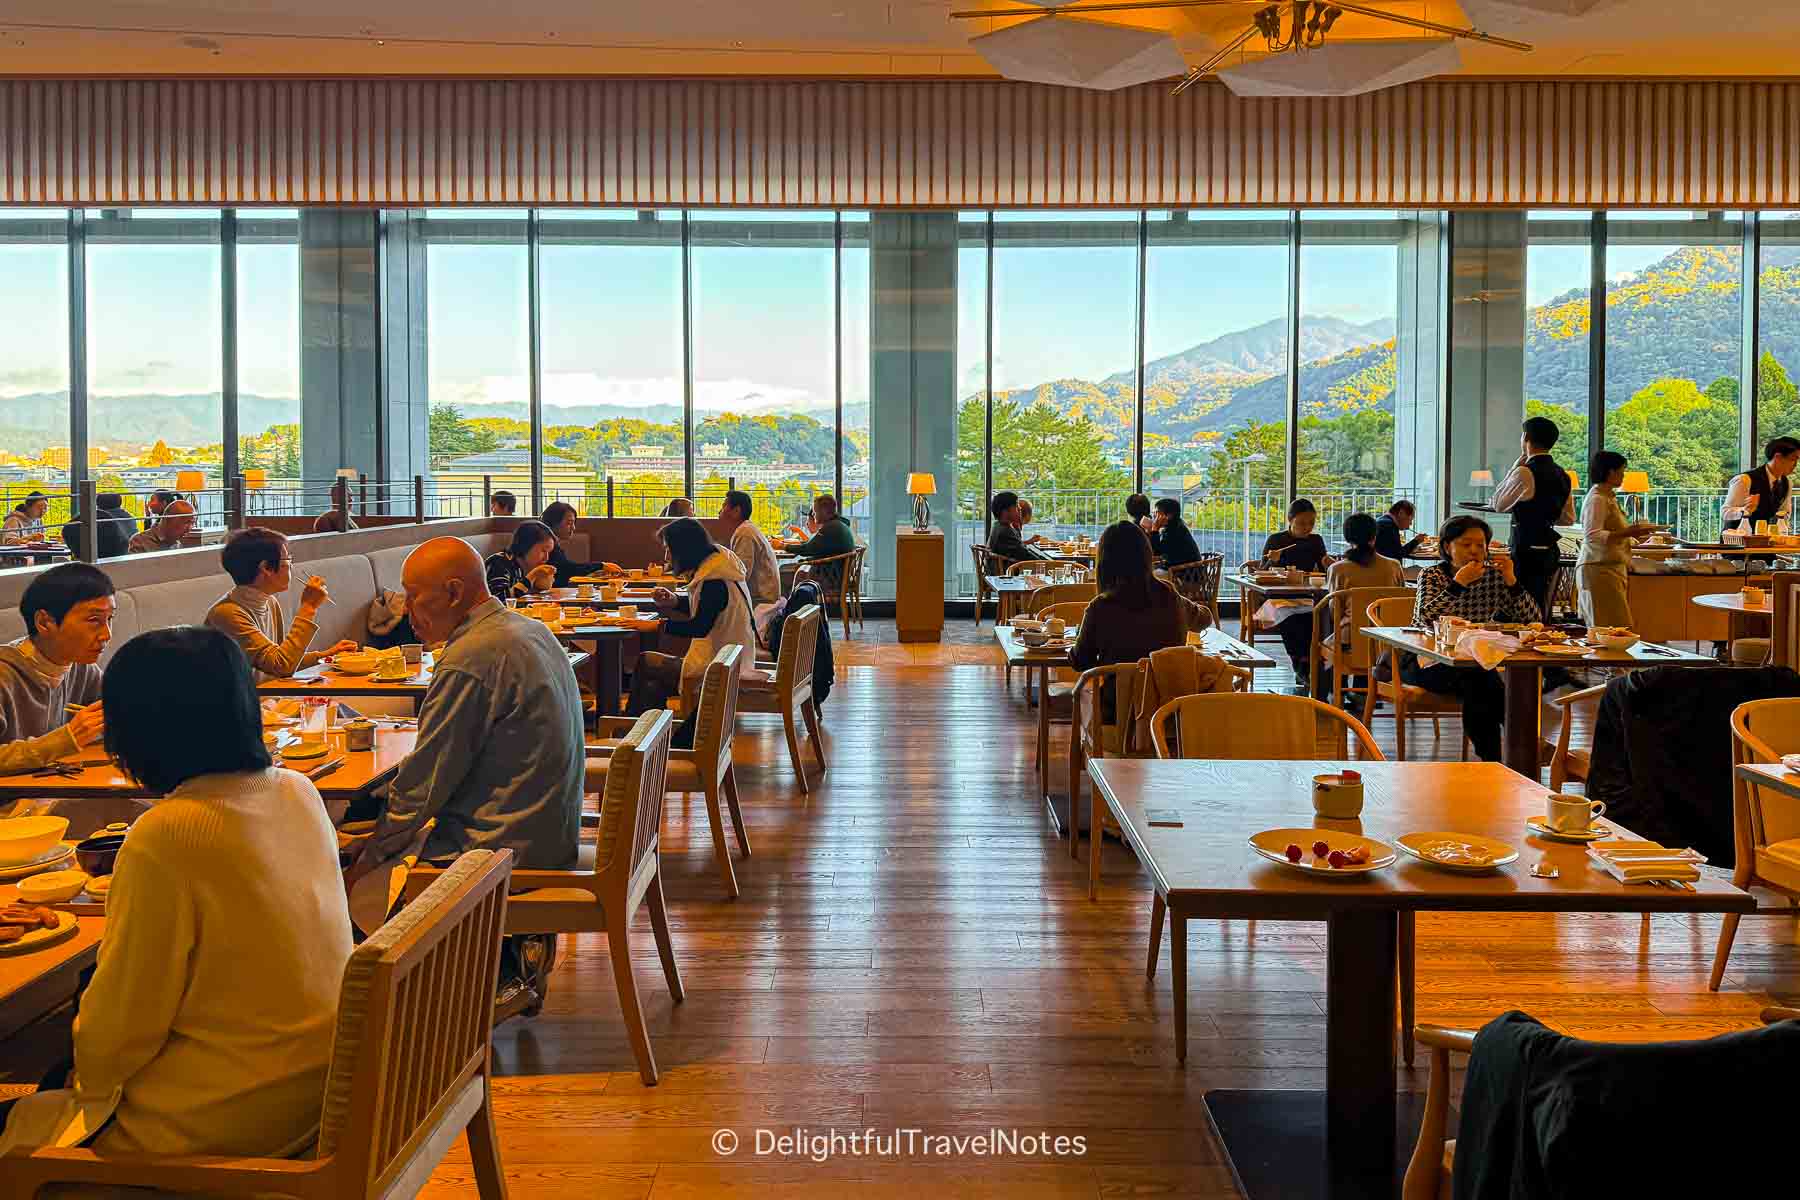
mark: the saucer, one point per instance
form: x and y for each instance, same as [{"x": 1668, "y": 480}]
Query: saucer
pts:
[
  {"x": 298, "y": 751},
  {"x": 1592, "y": 833},
  {"x": 48, "y": 861}
]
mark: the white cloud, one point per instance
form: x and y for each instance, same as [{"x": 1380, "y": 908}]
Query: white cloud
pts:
[{"x": 572, "y": 388}]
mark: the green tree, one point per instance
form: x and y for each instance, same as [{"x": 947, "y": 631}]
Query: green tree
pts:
[
  {"x": 450, "y": 436},
  {"x": 1571, "y": 450},
  {"x": 1225, "y": 474}
]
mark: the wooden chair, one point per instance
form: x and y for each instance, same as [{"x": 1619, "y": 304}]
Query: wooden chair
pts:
[
  {"x": 986, "y": 563},
  {"x": 1059, "y": 593},
  {"x": 620, "y": 870},
  {"x": 789, "y": 693},
  {"x": 1069, "y": 612},
  {"x": 1032, "y": 566},
  {"x": 409, "y": 1067},
  {"x": 1568, "y": 760},
  {"x": 1265, "y": 725},
  {"x": 1428, "y": 1172},
  {"x": 1784, "y": 628},
  {"x": 1408, "y": 700},
  {"x": 1100, "y": 730},
  {"x": 708, "y": 767},
  {"x": 1357, "y": 655},
  {"x": 832, "y": 574},
  {"x": 853, "y": 586},
  {"x": 1765, "y": 824},
  {"x": 1199, "y": 580}
]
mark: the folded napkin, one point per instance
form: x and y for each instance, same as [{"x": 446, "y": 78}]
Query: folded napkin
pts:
[
  {"x": 1488, "y": 647},
  {"x": 1652, "y": 872}
]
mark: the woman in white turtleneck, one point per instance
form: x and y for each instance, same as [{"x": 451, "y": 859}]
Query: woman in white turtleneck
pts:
[{"x": 258, "y": 562}]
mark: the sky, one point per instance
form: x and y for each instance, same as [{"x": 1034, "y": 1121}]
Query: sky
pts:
[{"x": 762, "y": 316}]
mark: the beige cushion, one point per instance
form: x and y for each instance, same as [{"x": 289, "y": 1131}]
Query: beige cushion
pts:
[
  {"x": 683, "y": 774},
  {"x": 1750, "y": 652},
  {"x": 180, "y": 601},
  {"x": 353, "y": 995},
  {"x": 387, "y": 564}
]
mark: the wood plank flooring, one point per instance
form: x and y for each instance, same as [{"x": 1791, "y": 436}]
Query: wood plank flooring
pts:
[{"x": 913, "y": 950}]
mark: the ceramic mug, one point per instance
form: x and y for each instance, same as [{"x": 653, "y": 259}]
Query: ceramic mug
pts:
[
  {"x": 628, "y": 612},
  {"x": 1571, "y": 814},
  {"x": 1055, "y": 627},
  {"x": 585, "y": 592}
]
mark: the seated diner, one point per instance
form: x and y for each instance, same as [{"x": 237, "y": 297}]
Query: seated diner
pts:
[
  {"x": 523, "y": 568},
  {"x": 1004, "y": 542},
  {"x": 1298, "y": 548},
  {"x": 717, "y": 614},
  {"x": 1170, "y": 538},
  {"x": 1135, "y": 613},
  {"x": 175, "y": 523},
  {"x": 49, "y": 679},
  {"x": 25, "y": 523},
  {"x": 559, "y": 517},
  {"x": 1391, "y": 528},
  {"x": 260, "y": 564}
]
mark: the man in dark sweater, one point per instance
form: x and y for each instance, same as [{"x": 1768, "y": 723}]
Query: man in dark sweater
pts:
[
  {"x": 1391, "y": 528},
  {"x": 1170, "y": 537},
  {"x": 1004, "y": 541},
  {"x": 831, "y": 536}
]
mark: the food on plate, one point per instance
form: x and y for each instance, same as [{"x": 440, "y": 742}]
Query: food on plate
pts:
[
  {"x": 1321, "y": 849},
  {"x": 1338, "y": 858},
  {"x": 1294, "y": 853},
  {"x": 1358, "y": 855},
  {"x": 17, "y": 920},
  {"x": 1460, "y": 854}
]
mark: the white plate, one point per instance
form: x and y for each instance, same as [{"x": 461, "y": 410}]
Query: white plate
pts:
[
  {"x": 1418, "y": 846},
  {"x": 298, "y": 751},
  {"x": 39, "y": 938},
  {"x": 1592, "y": 833},
  {"x": 48, "y": 861},
  {"x": 1559, "y": 650},
  {"x": 1791, "y": 761},
  {"x": 1272, "y": 844}
]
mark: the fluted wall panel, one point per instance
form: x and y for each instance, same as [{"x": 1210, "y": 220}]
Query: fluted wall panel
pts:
[{"x": 893, "y": 144}]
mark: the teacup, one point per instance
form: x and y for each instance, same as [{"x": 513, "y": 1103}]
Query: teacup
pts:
[
  {"x": 628, "y": 612},
  {"x": 1571, "y": 814},
  {"x": 1055, "y": 627},
  {"x": 609, "y": 591},
  {"x": 585, "y": 592},
  {"x": 635, "y": 573}
]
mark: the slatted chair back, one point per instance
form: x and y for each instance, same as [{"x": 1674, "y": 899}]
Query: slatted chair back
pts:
[
  {"x": 1199, "y": 580},
  {"x": 631, "y": 806},
  {"x": 799, "y": 649},
  {"x": 985, "y": 564},
  {"x": 1069, "y": 612},
  {"x": 1059, "y": 593},
  {"x": 717, "y": 716},
  {"x": 415, "y": 1016}
]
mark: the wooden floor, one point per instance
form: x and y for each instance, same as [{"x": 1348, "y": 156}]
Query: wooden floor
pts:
[{"x": 913, "y": 950}]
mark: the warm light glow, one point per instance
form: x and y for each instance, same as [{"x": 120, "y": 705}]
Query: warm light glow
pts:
[
  {"x": 255, "y": 478},
  {"x": 189, "y": 481},
  {"x": 1574, "y": 481},
  {"x": 1636, "y": 482},
  {"x": 1481, "y": 479},
  {"x": 921, "y": 484}
]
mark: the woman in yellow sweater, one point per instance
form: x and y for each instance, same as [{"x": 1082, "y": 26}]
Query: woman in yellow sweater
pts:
[{"x": 208, "y": 1024}]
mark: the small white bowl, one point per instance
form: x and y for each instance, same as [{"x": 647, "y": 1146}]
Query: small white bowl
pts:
[
  {"x": 356, "y": 664},
  {"x": 52, "y": 887},
  {"x": 1617, "y": 641},
  {"x": 27, "y": 839},
  {"x": 1033, "y": 637}
]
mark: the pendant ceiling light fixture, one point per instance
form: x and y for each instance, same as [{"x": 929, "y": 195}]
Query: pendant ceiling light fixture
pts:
[{"x": 1294, "y": 30}]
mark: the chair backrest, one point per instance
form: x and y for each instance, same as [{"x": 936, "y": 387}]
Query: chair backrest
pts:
[
  {"x": 1059, "y": 593},
  {"x": 1784, "y": 592},
  {"x": 1348, "y": 608},
  {"x": 833, "y": 571},
  {"x": 631, "y": 805},
  {"x": 1391, "y": 611},
  {"x": 1761, "y": 732},
  {"x": 718, "y": 708},
  {"x": 853, "y": 580},
  {"x": 1069, "y": 612},
  {"x": 1025, "y": 566},
  {"x": 1092, "y": 711},
  {"x": 1199, "y": 580},
  {"x": 799, "y": 648},
  {"x": 415, "y": 1016},
  {"x": 1252, "y": 725},
  {"x": 985, "y": 565}
]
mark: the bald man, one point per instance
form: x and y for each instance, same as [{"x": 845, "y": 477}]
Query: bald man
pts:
[
  {"x": 499, "y": 761},
  {"x": 176, "y": 522}
]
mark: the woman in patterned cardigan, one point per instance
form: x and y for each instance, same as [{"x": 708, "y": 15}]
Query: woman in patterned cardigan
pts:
[{"x": 1472, "y": 581}]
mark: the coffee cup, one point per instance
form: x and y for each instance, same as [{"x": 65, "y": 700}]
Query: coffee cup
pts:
[
  {"x": 413, "y": 652},
  {"x": 635, "y": 573},
  {"x": 609, "y": 591},
  {"x": 1055, "y": 627},
  {"x": 585, "y": 592},
  {"x": 1571, "y": 814},
  {"x": 628, "y": 612}
]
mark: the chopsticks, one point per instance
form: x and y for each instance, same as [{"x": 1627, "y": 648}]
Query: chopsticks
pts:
[{"x": 324, "y": 769}]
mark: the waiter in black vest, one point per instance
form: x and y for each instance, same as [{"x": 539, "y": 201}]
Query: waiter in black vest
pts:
[
  {"x": 1762, "y": 494},
  {"x": 1539, "y": 496}
]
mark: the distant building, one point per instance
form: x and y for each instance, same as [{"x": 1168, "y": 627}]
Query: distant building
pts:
[
  {"x": 714, "y": 459},
  {"x": 510, "y": 470}
]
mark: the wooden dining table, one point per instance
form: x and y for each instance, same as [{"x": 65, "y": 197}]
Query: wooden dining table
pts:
[
  {"x": 1746, "y": 620},
  {"x": 1520, "y": 674},
  {"x": 34, "y": 983},
  {"x": 1251, "y": 595},
  {"x": 325, "y": 680},
  {"x": 1350, "y": 1140}
]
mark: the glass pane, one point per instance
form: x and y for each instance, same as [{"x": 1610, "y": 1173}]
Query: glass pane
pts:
[
  {"x": 970, "y": 524},
  {"x": 612, "y": 403},
  {"x": 1215, "y": 379},
  {"x": 1558, "y": 271},
  {"x": 1778, "y": 323},
  {"x": 34, "y": 361},
  {"x": 268, "y": 334},
  {"x": 1674, "y": 332},
  {"x": 1349, "y": 307},
  {"x": 1065, "y": 350},
  {"x": 155, "y": 408},
  {"x": 765, "y": 370},
  {"x": 478, "y": 367},
  {"x": 854, "y": 443}
]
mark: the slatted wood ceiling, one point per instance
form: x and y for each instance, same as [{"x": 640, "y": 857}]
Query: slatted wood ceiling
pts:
[{"x": 894, "y": 144}]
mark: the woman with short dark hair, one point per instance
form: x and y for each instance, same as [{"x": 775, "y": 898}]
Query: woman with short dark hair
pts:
[
  {"x": 1298, "y": 548},
  {"x": 524, "y": 566},
  {"x": 1135, "y": 612},
  {"x": 1605, "y": 559},
  {"x": 207, "y": 1027}
]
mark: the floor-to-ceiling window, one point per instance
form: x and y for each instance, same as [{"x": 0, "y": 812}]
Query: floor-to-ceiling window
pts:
[
  {"x": 1674, "y": 344},
  {"x": 155, "y": 416},
  {"x": 1064, "y": 405},
  {"x": 1216, "y": 371},
  {"x": 268, "y": 345},
  {"x": 765, "y": 354},
  {"x": 973, "y": 360},
  {"x": 478, "y": 351},
  {"x": 1778, "y": 328},
  {"x": 614, "y": 379},
  {"x": 1559, "y": 263},
  {"x": 34, "y": 357},
  {"x": 853, "y": 364},
  {"x": 1349, "y": 363}
]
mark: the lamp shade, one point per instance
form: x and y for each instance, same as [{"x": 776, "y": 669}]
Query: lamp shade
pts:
[
  {"x": 1636, "y": 482},
  {"x": 1481, "y": 479},
  {"x": 255, "y": 478},
  {"x": 1574, "y": 481},
  {"x": 189, "y": 481},
  {"x": 921, "y": 484}
]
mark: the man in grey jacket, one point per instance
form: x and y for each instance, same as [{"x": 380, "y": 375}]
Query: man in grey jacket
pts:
[
  {"x": 68, "y": 612},
  {"x": 500, "y": 760}
]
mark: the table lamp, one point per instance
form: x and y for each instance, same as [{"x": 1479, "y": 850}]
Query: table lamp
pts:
[
  {"x": 1574, "y": 481},
  {"x": 189, "y": 481},
  {"x": 256, "y": 478},
  {"x": 1482, "y": 480},
  {"x": 1636, "y": 484},
  {"x": 919, "y": 485}
]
